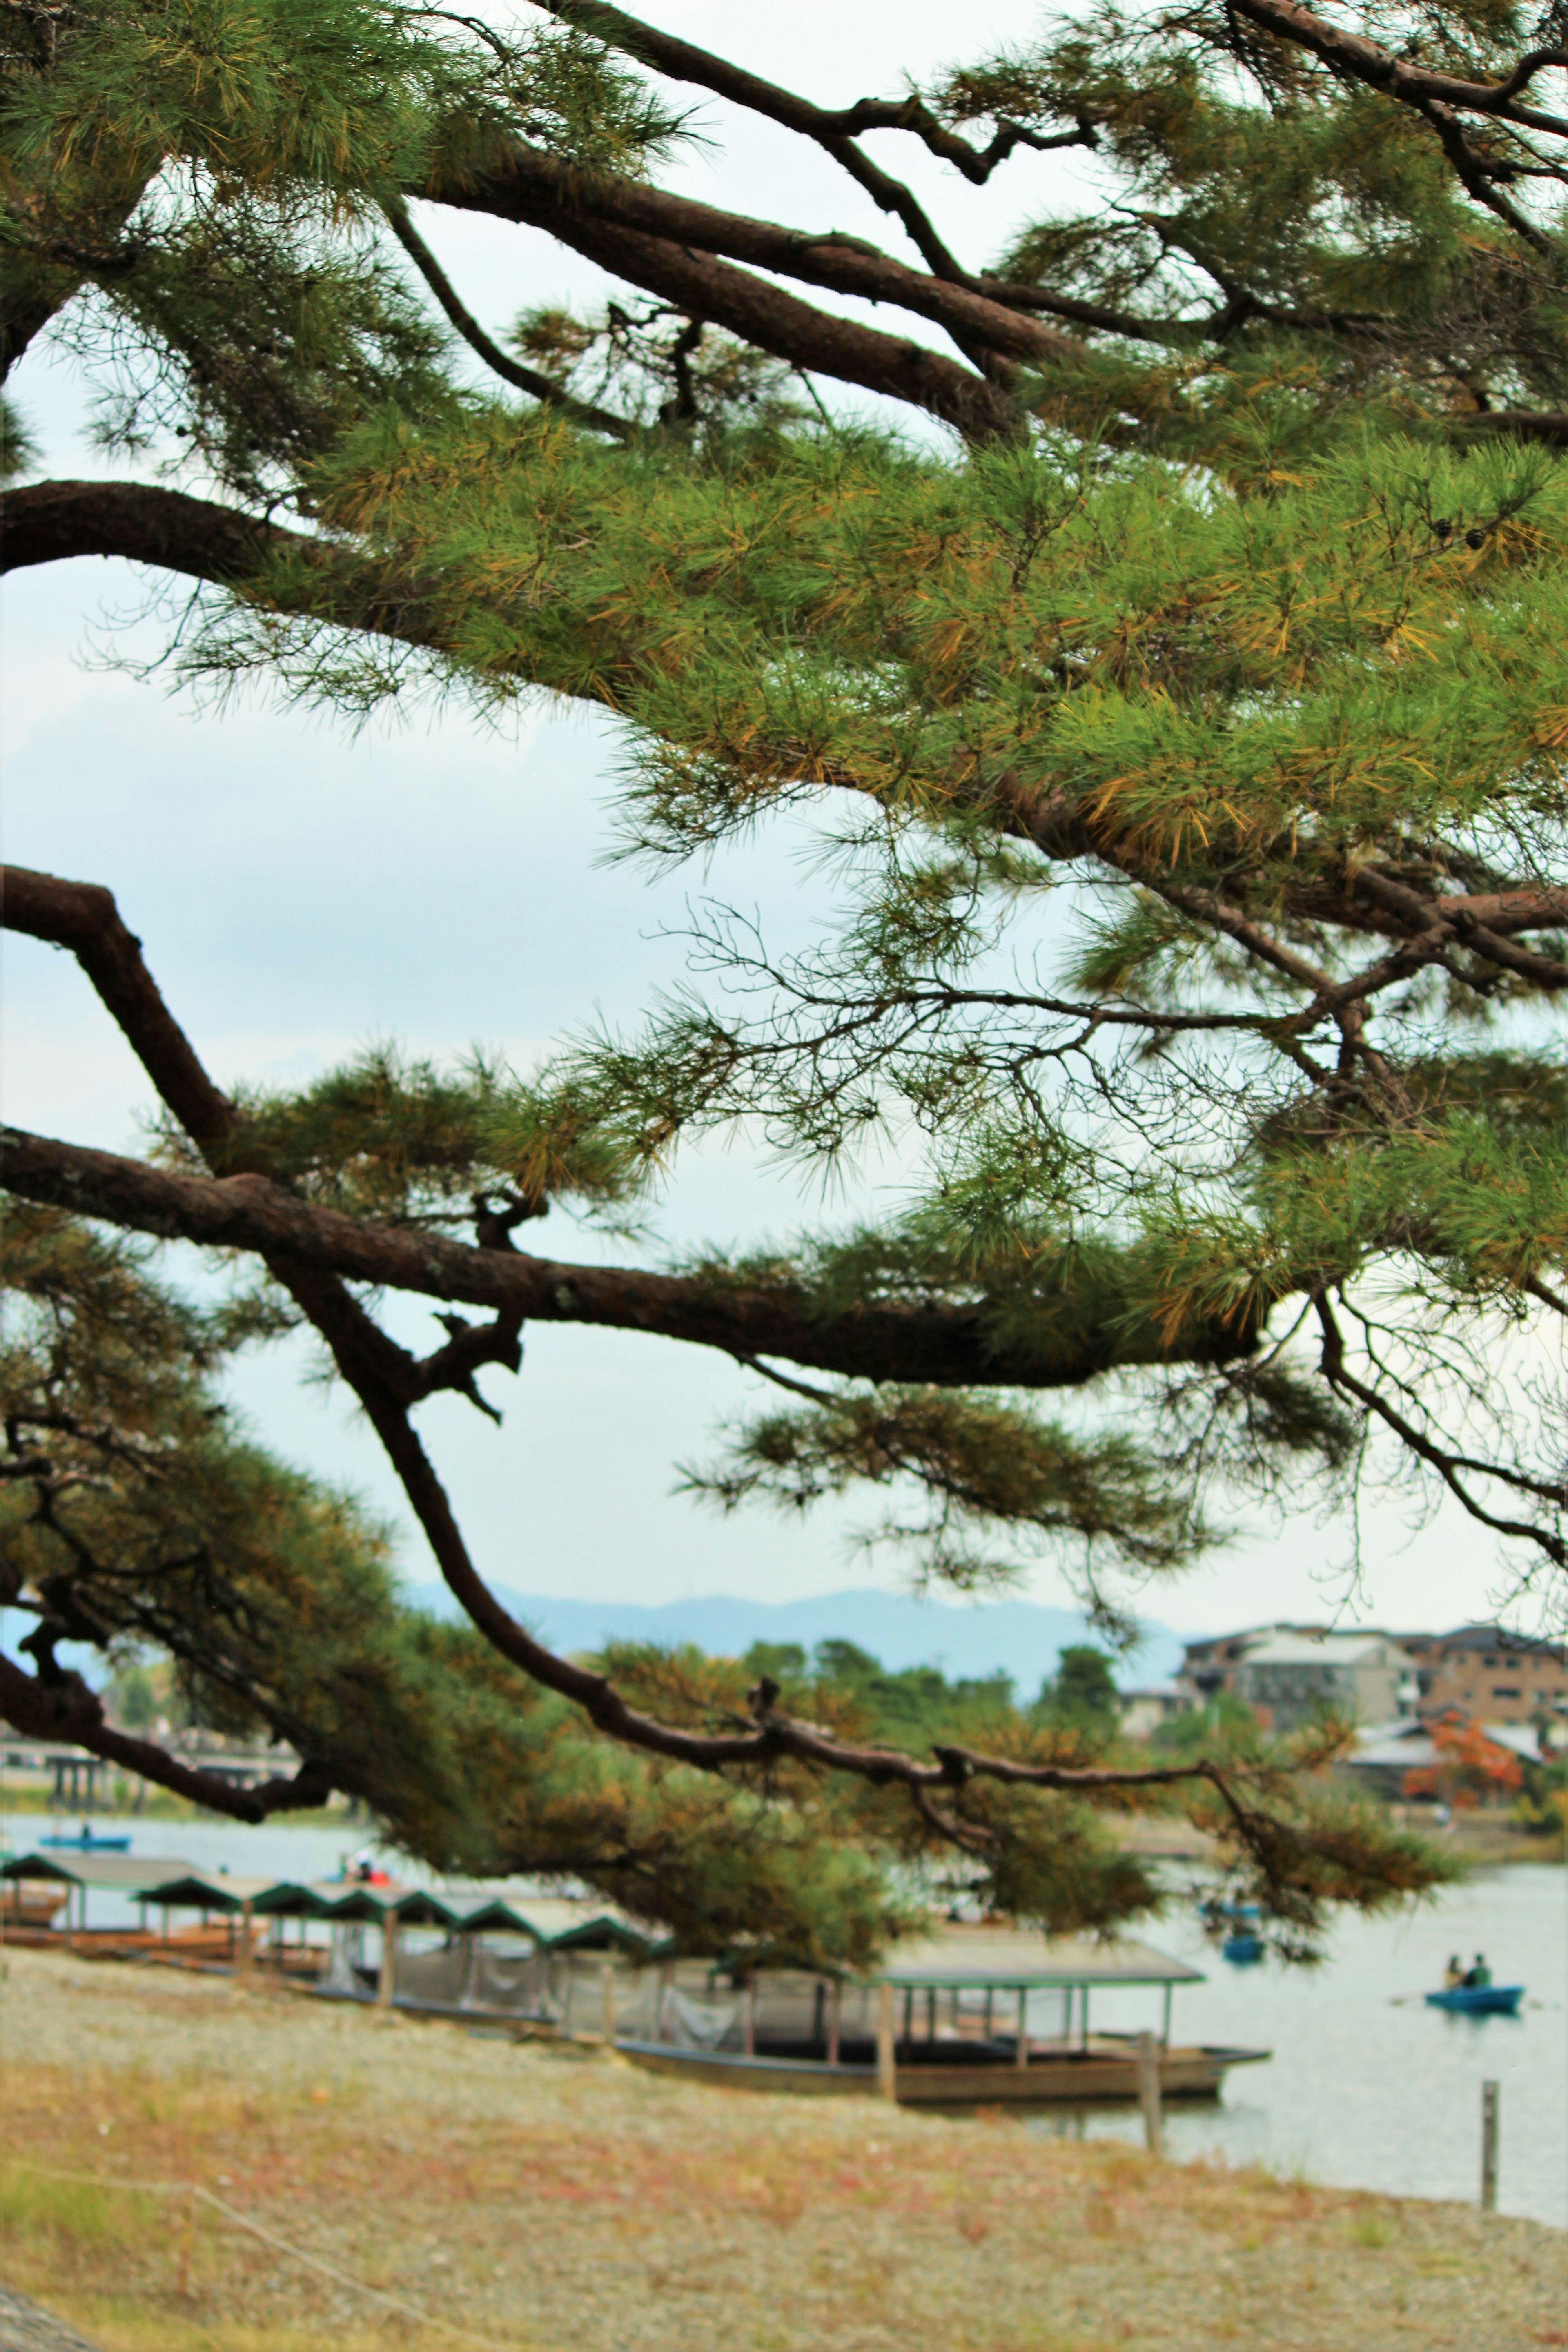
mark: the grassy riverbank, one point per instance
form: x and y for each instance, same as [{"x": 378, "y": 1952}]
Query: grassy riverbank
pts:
[{"x": 541, "y": 2199}]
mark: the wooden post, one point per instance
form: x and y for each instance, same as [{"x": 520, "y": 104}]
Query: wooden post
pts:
[
  {"x": 835, "y": 2004},
  {"x": 1488, "y": 2147},
  {"x": 242, "y": 1951},
  {"x": 1021, "y": 2056},
  {"x": 1149, "y": 2090},
  {"x": 886, "y": 2060},
  {"x": 385, "y": 1980},
  {"x": 931, "y": 2013},
  {"x": 607, "y": 2000},
  {"x": 990, "y": 1996},
  {"x": 666, "y": 1986}
]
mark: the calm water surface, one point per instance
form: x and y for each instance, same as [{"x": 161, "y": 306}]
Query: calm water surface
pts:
[{"x": 1367, "y": 2087}]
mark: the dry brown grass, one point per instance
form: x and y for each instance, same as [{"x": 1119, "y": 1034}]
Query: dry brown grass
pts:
[{"x": 565, "y": 2203}]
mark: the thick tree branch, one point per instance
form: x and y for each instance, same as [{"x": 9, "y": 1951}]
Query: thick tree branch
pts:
[
  {"x": 1438, "y": 98},
  {"x": 50, "y": 522},
  {"x": 69, "y": 1710},
  {"x": 1362, "y": 60},
  {"x": 949, "y": 1346},
  {"x": 531, "y": 183},
  {"x": 681, "y": 60},
  {"x": 582, "y": 212}
]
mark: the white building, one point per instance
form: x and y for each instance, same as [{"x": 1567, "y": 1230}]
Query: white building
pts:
[
  {"x": 1289, "y": 1676},
  {"x": 1143, "y": 1711}
]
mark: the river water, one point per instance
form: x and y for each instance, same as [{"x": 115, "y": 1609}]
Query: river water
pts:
[{"x": 1366, "y": 2087}]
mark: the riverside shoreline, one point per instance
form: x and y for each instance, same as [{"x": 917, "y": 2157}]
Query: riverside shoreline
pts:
[{"x": 547, "y": 2198}]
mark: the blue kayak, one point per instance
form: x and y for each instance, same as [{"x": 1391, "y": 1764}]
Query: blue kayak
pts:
[
  {"x": 1478, "y": 2001},
  {"x": 88, "y": 1842}
]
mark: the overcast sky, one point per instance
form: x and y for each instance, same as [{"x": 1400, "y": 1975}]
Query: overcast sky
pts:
[{"x": 299, "y": 892}]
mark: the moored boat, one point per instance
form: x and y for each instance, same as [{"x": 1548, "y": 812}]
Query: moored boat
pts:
[
  {"x": 974, "y": 2017},
  {"x": 1478, "y": 2001},
  {"x": 88, "y": 1841},
  {"x": 30, "y": 1903},
  {"x": 1103, "y": 2073}
]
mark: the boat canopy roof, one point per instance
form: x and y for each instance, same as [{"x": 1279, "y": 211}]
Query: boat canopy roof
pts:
[
  {"x": 557, "y": 1922},
  {"x": 130, "y": 1873},
  {"x": 196, "y": 1890},
  {"x": 1007, "y": 1959}
]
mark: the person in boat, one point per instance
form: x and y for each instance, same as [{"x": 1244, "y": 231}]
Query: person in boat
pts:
[
  {"x": 1478, "y": 1976},
  {"x": 1454, "y": 1974}
]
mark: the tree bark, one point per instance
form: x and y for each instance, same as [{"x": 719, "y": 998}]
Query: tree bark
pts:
[{"x": 949, "y": 1346}]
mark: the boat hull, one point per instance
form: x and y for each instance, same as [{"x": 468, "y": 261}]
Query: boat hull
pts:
[
  {"x": 30, "y": 1903},
  {"x": 1478, "y": 2001},
  {"x": 1089, "y": 2077}
]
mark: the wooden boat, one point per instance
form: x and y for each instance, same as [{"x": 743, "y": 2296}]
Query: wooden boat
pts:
[
  {"x": 1478, "y": 2001},
  {"x": 961, "y": 2075},
  {"x": 30, "y": 1903},
  {"x": 954, "y": 2019}
]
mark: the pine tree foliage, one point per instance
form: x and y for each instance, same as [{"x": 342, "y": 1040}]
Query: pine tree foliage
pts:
[{"x": 1186, "y": 732}]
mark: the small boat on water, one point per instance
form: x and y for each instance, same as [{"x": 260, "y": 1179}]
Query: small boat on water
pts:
[
  {"x": 1478, "y": 2001},
  {"x": 88, "y": 1841},
  {"x": 1243, "y": 1948}
]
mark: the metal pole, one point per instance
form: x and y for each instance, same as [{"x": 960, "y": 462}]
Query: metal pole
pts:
[
  {"x": 1488, "y": 2147},
  {"x": 1149, "y": 2090},
  {"x": 607, "y": 1985},
  {"x": 1020, "y": 2058},
  {"x": 835, "y": 2005},
  {"x": 385, "y": 1979},
  {"x": 242, "y": 1953},
  {"x": 1165, "y": 2028}
]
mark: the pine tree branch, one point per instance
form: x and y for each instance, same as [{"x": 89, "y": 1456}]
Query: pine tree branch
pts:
[
  {"x": 1362, "y": 60},
  {"x": 525, "y": 378},
  {"x": 840, "y": 264},
  {"x": 602, "y": 219},
  {"x": 681, "y": 60},
  {"x": 67, "y": 1711},
  {"x": 948, "y": 1346},
  {"x": 1438, "y": 98},
  {"x": 51, "y": 522},
  {"x": 97, "y": 1184},
  {"x": 1451, "y": 1467}
]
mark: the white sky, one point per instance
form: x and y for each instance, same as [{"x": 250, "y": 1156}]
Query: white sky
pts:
[{"x": 299, "y": 892}]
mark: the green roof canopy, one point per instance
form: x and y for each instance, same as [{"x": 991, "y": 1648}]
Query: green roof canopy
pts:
[
  {"x": 1001, "y": 1960},
  {"x": 130, "y": 1873},
  {"x": 196, "y": 1892}
]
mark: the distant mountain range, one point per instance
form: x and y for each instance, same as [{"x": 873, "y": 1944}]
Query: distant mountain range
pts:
[{"x": 1017, "y": 1637}]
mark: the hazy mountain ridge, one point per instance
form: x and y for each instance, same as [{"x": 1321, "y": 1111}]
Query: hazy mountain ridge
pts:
[{"x": 1022, "y": 1638}]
